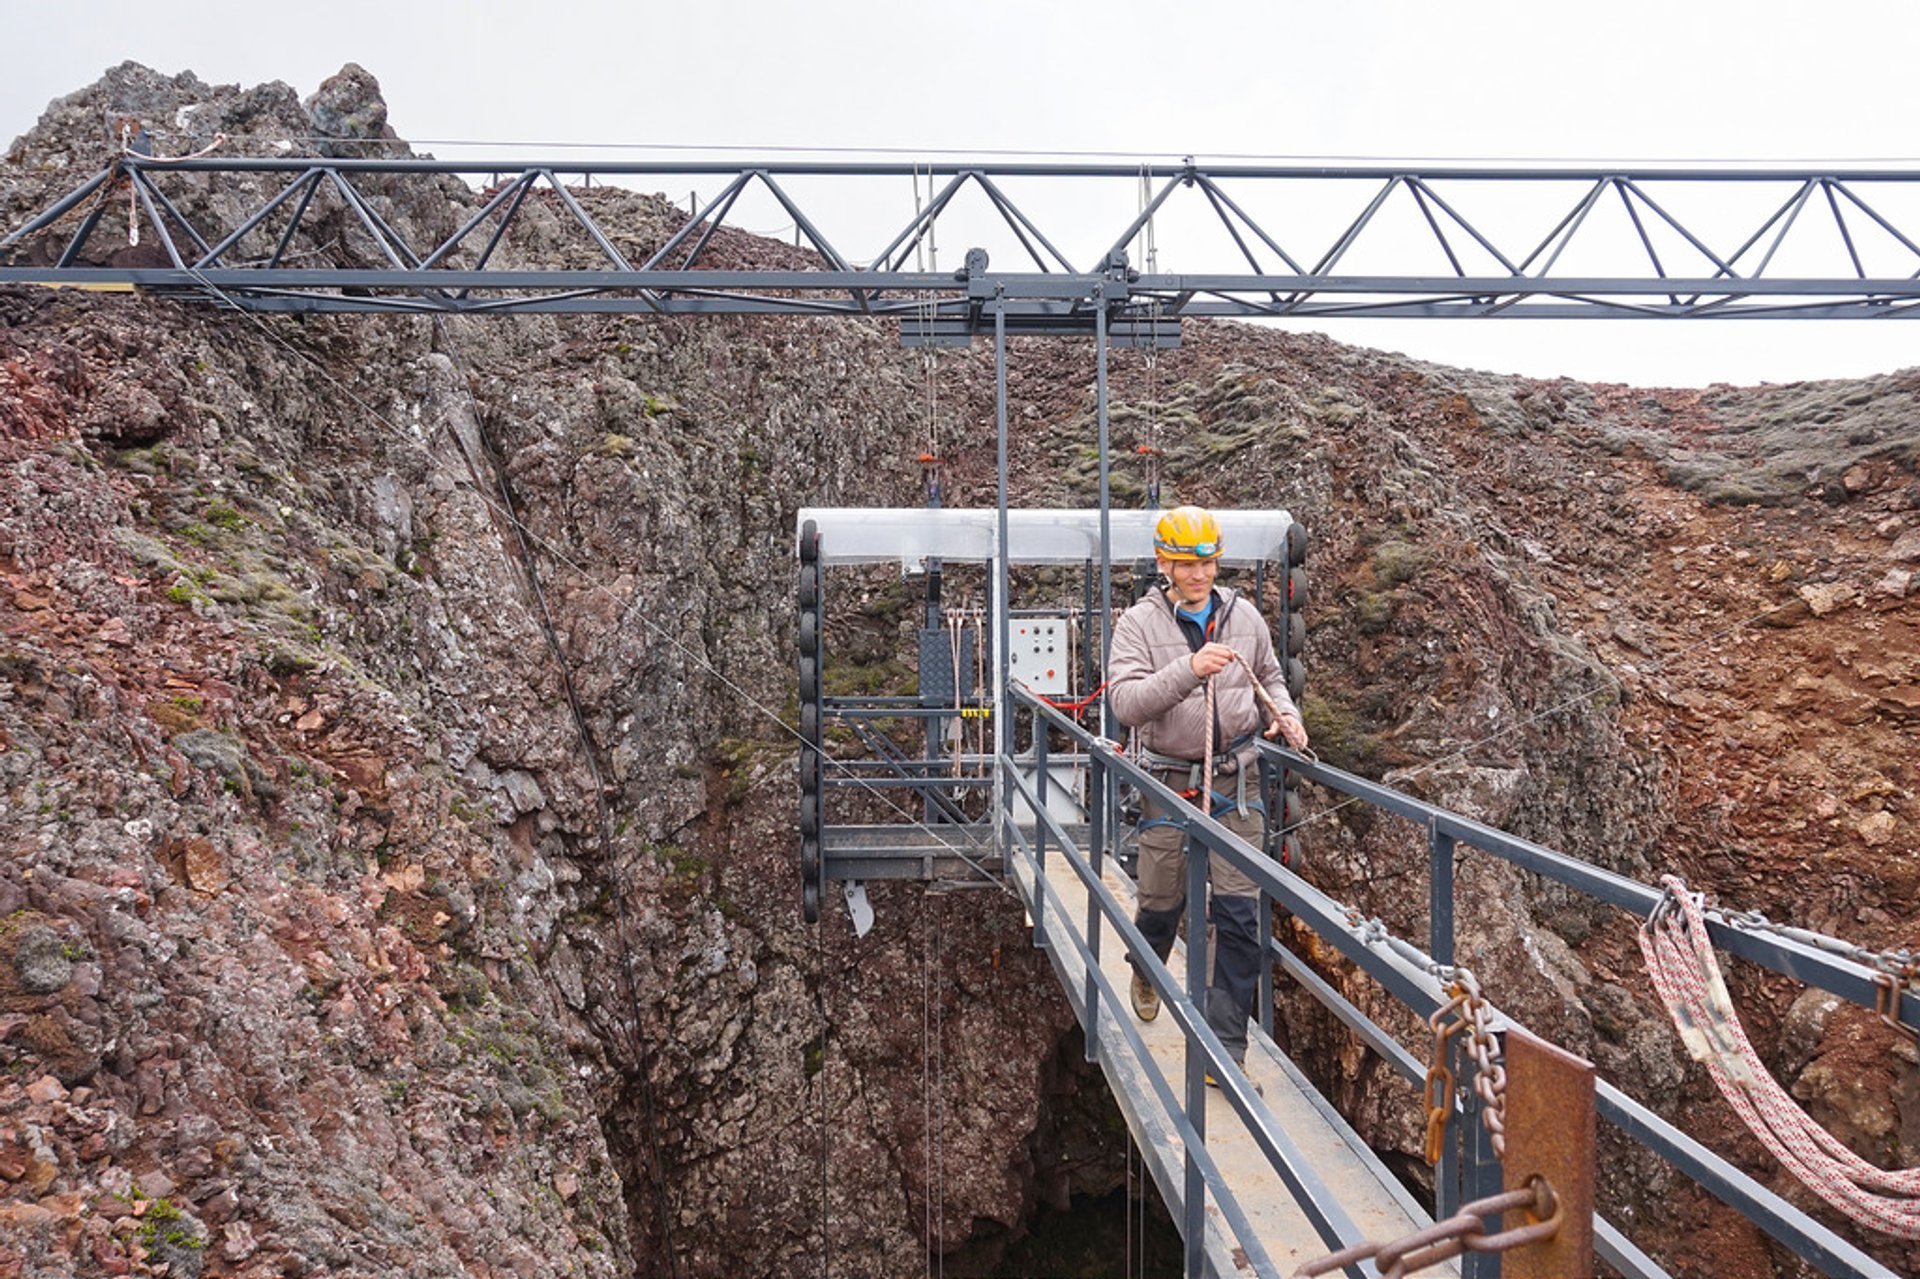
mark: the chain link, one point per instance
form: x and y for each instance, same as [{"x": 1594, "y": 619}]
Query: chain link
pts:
[
  {"x": 1474, "y": 1015},
  {"x": 1465, "y": 1231}
]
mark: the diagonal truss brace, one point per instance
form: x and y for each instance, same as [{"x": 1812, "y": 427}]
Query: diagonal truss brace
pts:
[{"x": 1415, "y": 241}]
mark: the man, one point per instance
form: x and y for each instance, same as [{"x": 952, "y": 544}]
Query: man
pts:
[{"x": 1165, "y": 649}]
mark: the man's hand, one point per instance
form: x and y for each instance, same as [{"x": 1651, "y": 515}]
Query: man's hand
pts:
[
  {"x": 1289, "y": 727},
  {"x": 1209, "y": 659}
]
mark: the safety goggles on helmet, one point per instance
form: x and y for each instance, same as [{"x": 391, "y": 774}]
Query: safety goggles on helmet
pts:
[{"x": 1187, "y": 533}]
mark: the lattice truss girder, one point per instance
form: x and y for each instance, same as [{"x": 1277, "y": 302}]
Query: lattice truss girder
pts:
[{"x": 1046, "y": 243}]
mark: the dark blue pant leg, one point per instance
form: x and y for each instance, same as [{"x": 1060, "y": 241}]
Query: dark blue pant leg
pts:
[{"x": 1236, "y": 969}]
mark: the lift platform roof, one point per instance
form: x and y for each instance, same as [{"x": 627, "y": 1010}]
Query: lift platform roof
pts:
[{"x": 878, "y": 535}]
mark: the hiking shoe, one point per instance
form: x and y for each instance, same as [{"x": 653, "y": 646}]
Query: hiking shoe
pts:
[
  {"x": 1258, "y": 1090},
  {"x": 1146, "y": 1000}
]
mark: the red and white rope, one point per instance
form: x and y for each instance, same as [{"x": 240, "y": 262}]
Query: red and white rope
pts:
[
  {"x": 1686, "y": 976},
  {"x": 1206, "y": 755}
]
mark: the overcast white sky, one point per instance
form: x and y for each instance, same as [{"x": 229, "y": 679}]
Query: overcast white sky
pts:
[{"x": 1570, "y": 81}]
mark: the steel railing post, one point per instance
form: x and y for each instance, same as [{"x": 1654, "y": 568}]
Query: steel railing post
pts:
[
  {"x": 1039, "y": 830},
  {"x": 1097, "y": 857},
  {"x": 1481, "y": 1173},
  {"x": 1195, "y": 1199},
  {"x": 1439, "y": 892}
]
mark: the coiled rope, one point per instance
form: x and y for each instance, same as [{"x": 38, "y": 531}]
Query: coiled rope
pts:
[{"x": 1686, "y": 976}]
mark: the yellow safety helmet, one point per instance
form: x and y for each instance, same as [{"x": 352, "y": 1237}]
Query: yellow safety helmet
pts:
[{"x": 1187, "y": 533}]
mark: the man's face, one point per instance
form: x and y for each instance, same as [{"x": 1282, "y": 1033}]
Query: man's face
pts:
[{"x": 1192, "y": 579}]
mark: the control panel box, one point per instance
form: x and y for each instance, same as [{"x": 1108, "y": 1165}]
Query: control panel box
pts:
[{"x": 1040, "y": 656}]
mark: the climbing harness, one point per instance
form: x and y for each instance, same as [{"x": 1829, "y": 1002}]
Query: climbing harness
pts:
[{"x": 1686, "y": 975}]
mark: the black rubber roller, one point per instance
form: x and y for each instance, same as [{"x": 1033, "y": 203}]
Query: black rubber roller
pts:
[
  {"x": 1296, "y": 544},
  {"x": 810, "y": 877},
  {"x": 1296, "y": 679},
  {"x": 1296, "y": 589}
]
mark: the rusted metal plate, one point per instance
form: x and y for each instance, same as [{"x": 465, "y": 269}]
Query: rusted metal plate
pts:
[{"x": 1550, "y": 1133}]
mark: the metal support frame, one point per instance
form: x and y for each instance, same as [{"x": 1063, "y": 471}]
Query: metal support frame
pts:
[
  {"x": 1438, "y": 241},
  {"x": 1407, "y": 976}
]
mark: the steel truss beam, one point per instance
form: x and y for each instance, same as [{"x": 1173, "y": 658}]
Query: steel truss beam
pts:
[{"x": 1250, "y": 241}]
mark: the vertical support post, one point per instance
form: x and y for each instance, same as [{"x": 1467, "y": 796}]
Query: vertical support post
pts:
[
  {"x": 1097, "y": 852},
  {"x": 1263, "y": 1000},
  {"x": 1097, "y": 777},
  {"x": 1439, "y": 893},
  {"x": 1449, "y": 1190},
  {"x": 1195, "y": 1202},
  {"x": 1446, "y": 1176},
  {"x": 1480, "y": 1176},
  {"x": 1041, "y": 769},
  {"x": 1002, "y": 711},
  {"x": 1106, "y": 493}
]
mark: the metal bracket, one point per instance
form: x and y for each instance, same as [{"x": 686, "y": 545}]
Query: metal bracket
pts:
[
  {"x": 1550, "y": 1134},
  {"x": 859, "y": 907}
]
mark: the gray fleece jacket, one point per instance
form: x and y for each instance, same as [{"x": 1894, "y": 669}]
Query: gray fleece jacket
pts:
[{"x": 1153, "y": 690}]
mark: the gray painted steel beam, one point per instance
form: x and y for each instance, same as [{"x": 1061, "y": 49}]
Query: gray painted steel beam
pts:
[{"x": 1665, "y": 268}]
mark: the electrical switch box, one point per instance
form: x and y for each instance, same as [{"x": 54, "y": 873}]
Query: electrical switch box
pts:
[{"x": 1040, "y": 656}]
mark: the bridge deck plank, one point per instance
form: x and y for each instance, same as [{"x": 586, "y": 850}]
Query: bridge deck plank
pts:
[{"x": 1377, "y": 1204}]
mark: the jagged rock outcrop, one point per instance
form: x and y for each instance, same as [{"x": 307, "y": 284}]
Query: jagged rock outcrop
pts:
[{"x": 396, "y": 811}]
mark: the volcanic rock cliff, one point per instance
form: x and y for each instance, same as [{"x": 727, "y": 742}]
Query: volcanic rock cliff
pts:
[{"x": 396, "y": 869}]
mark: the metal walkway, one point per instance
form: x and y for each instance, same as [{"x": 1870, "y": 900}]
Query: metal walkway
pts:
[
  {"x": 1320, "y": 1139},
  {"x": 1265, "y": 1182},
  {"x": 1258, "y": 1184}
]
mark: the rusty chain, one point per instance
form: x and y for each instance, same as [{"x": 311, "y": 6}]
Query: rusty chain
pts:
[
  {"x": 1472, "y": 1014},
  {"x": 1465, "y": 1231}
]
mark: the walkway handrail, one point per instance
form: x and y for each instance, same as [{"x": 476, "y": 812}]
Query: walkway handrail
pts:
[
  {"x": 1414, "y": 979},
  {"x": 1830, "y": 972}
]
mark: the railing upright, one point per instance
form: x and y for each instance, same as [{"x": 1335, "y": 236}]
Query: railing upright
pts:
[
  {"x": 1097, "y": 848},
  {"x": 1439, "y": 893},
  {"x": 1481, "y": 1176},
  {"x": 1041, "y": 769},
  {"x": 1195, "y": 1199}
]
